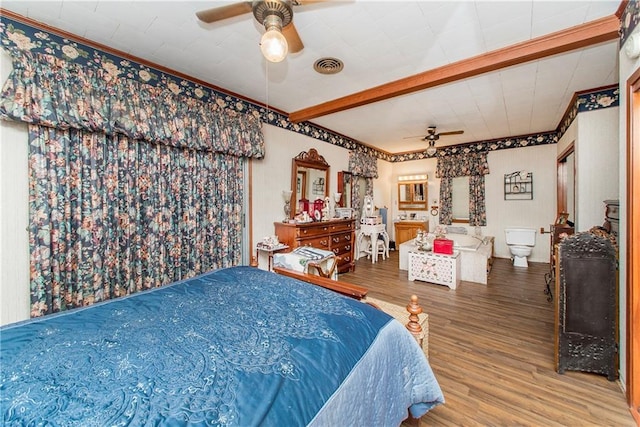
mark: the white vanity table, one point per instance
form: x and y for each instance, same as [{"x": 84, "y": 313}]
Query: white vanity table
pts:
[
  {"x": 435, "y": 268},
  {"x": 371, "y": 227},
  {"x": 368, "y": 238}
]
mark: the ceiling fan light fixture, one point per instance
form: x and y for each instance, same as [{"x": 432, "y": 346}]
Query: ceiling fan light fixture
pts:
[
  {"x": 432, "y": 148},
  {"x": 273, "y": 44}
]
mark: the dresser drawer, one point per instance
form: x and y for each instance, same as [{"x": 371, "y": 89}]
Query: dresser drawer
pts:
[
  {"x": 612, "y": 212},
  {"x": 341, "y": 248},
  {"x": 322, "y": 242},
  {"x": 344, "y": 260},
  {"x": 339, "y": 239},
  {"x": 336, "y": 228},
  {"x": 313, "y": 231}
]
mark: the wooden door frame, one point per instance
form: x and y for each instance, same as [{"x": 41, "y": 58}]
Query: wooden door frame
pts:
[
  {"x": 561, "y": 170},
  {"x": 633, "y": 246}
]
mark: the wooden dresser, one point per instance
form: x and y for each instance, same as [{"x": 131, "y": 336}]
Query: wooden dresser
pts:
[
  {"x": 612, "y": 216},
  {"x": 337, "y": 236}
]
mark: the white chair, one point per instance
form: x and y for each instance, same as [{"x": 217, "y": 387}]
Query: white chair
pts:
[{"x": 381, "y": 246}]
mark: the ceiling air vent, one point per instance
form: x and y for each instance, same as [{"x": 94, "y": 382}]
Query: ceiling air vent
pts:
[{"x": 328, "y": 65}]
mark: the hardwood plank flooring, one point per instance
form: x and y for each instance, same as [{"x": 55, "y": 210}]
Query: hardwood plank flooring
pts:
[{"x": 492, "y": 350}]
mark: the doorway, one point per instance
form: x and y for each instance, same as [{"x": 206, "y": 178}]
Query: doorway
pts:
[
  {"x": 633, "y": 245},
  {"x": 566, "y": 182}
]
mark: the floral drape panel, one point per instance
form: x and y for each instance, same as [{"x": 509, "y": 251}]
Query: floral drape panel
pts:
[
  {"x": 473, "y": 165},
  {"x": 110, "y": 216},
  {"x": 446, "y": 201},
  {"x": 366, "y": 166},
  {"x": 477, "y": 209},
  {"x": 132, "y": 185},
  {"x": 361, "y": 164}
]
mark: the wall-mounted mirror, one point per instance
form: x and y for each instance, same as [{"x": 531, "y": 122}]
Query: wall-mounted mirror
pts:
[
  {"x": 344, "y": 187},
  {"x": 309, "y": 178},
  {"x": 412, "y": 195}
]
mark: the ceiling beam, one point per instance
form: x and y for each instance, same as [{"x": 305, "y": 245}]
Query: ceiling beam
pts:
[{"x": 593, "y": 32}]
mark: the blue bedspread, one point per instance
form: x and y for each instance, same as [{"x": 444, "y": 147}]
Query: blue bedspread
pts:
[{"x": 235, "y": 347}]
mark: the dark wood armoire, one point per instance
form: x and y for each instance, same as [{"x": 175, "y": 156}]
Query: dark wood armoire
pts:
[{"x": 587, "y": 305}]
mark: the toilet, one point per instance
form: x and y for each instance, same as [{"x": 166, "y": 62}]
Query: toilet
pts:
[{"x": 520, "y": 241}]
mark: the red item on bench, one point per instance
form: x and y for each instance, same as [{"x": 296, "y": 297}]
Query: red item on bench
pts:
[{"x": 443, "y": 246}]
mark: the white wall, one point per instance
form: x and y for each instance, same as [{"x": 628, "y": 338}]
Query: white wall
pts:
[
  {"x": 568, "y": 137},
  {"x": 596, "y": 151},
  {"x": 272, "y": 174},
  {"x": 536, "y": 213},
  {"x": 14, "y": 197}
]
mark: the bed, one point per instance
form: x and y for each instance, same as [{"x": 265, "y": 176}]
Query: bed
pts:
[{"x": 235, "y": 347}]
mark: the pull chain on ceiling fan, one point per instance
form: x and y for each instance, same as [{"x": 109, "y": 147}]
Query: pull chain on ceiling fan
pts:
[{"x": 276, "y": 16}]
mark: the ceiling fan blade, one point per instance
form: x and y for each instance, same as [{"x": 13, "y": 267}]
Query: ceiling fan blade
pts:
[
  {"x": 303, "y": 2},
  {"x": 453, "y": 132},
  {"x": 416, "y": 136},
  {"x": 293, "y": 38},
  {"x": 224, "y": 12}
]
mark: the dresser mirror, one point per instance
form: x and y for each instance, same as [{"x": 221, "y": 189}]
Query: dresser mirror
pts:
[{"x": 309, "y": 178}]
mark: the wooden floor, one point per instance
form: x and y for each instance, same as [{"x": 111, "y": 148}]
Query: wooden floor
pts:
[{"x": 492, "y": 350}]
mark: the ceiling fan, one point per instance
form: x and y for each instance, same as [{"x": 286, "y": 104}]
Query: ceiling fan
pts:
[
  {"x": 432, "y": 137},
  {"x": 281, "y": 35}
]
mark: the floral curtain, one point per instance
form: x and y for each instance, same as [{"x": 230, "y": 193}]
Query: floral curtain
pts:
[
  {"x": 477, "y": 209},
  {"x": 361, "y": 164},
  {"x": 473, "y": 165},
  {"x": 365, "y": 166},
  {"x": 132, "y": 186},
  {"x": 360, "y": 188},
  {"x": 50, "y": 91},
  {"x": 446, "y": 201},
  {"x": 110, "y": 216}
]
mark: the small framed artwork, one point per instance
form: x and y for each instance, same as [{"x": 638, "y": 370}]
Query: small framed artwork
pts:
[{"x": 562, "y": 218}]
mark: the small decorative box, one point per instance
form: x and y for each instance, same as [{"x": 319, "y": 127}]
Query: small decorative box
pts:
[
  {"x": 443, "y": 246},
  {"x": 372, "y": 220}
]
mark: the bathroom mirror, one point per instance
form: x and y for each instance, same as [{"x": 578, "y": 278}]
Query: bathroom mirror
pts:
[
  {"x": 412, "y": 195},
  {"x": 309, "y": 178}
]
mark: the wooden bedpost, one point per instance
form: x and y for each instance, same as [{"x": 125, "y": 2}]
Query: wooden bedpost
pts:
[
  {"x": 414, "y": 326},
  {"x": 254, "y": 262}
]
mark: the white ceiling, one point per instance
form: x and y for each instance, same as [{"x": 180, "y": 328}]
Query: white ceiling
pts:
[{"x": 379, "y": 42}]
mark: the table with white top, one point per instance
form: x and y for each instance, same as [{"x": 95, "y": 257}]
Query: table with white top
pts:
[{"x": 371, "y": 232}]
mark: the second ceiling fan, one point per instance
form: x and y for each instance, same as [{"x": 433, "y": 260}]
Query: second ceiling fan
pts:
[
  {"x": 281, "y": 35},
  {"x": 432, "y": 136}
]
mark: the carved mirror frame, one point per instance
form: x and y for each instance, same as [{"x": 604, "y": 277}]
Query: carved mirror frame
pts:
[{"x": 309, "y": 162}]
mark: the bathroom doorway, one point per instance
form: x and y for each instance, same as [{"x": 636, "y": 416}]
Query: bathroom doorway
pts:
[{"x": 566, "y": 182}]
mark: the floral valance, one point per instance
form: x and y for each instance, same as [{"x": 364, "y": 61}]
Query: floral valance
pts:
[
  {"x": 50, "y": 91},
  {"x": 470, "y": 164},
  {"x": 364, "y": 165}
]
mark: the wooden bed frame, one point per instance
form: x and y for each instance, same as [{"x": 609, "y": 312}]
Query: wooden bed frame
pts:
[{"x": 358, "y": 292}]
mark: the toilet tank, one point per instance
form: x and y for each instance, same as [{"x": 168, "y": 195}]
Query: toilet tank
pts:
[{"x": 520, "y": 236}]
